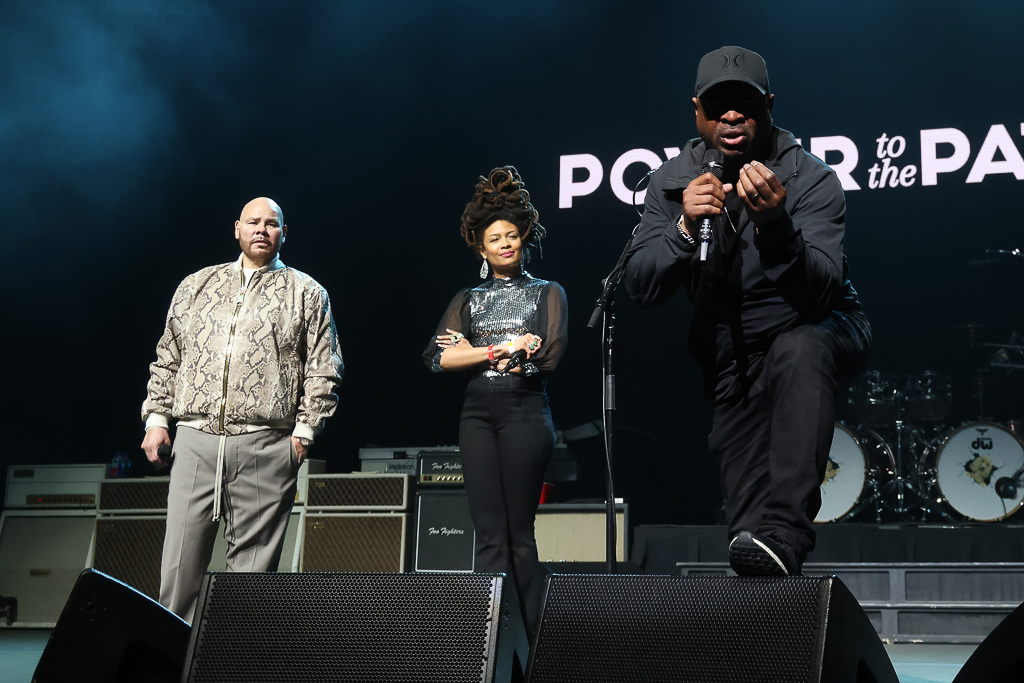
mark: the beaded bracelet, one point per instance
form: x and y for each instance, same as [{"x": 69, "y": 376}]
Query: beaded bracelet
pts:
[
  {"x": 490, "y": 353},
  {"x": 511, "y": 349}
]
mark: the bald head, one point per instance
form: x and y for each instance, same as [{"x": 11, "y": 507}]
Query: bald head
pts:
[
  {"x": 264, "y": 203},
  {"x": 260, "y": 232}
]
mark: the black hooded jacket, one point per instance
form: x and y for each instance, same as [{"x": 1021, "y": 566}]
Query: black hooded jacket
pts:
[{"x": 752, "y": 286}]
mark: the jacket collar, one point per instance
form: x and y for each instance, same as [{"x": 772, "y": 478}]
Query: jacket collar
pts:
[{"x": 276, "y": 264}]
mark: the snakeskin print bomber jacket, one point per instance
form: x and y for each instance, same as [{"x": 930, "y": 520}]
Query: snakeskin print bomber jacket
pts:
[{"x": 236, "y": 359}]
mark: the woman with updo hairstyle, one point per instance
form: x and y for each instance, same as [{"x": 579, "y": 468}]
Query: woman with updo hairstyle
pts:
[{"x": 505, "y": 335}]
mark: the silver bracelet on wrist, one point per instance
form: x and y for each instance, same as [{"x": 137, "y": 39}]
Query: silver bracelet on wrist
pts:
[{"x": 682, "y": 231}]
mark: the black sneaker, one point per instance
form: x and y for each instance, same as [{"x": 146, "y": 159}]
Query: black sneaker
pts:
[{"x": 753, "y": 555}]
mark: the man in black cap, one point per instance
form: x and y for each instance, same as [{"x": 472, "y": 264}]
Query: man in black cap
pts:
[{"x": 777, "y": 327}]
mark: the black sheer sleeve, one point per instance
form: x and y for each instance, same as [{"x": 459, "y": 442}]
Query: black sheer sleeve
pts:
[
  {"x": 455, "y": 318},
  {"x": 553, "y": 321}
]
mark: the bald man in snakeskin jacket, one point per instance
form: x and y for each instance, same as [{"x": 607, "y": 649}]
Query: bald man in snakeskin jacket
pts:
[{"x": 249, "y": 368}]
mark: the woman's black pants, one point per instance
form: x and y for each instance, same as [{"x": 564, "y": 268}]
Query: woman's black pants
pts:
[{"x": 506, "y": 438}]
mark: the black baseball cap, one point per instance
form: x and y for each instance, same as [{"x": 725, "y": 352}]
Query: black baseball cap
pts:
[{"x": 731, "y": 63}]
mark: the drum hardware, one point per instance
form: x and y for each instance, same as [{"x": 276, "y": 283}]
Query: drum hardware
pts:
[
  {"x": 1007, "y": 356},
  {"x": 1006, "y": 252},
  {"x": 976, "y": 333},
  {"x": 928, "y": 396},
  {"x": 872, "y": 398},
  {"x": 901, "y": 484}
]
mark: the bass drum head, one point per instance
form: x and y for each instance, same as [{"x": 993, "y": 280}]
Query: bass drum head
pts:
[
  {"x": 845, "y": 476},
  {"x": 971, "y": 459}
]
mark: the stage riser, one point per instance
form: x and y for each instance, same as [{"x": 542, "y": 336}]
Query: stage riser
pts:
[
  {"x": 930, "y": 603},
  {"x": 658, "y": 549}
]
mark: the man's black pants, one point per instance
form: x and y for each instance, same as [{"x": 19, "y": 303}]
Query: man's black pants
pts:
[{"x": 772, "y": 443}]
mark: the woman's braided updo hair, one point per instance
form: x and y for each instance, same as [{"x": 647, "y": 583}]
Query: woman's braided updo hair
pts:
[{"x": 501, "y": 196}]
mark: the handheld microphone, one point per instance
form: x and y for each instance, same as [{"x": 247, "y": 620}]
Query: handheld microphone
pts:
[
  {"x": 516, "y": 360},
  {"x": 164, "y": 453},
  {"x": 714, "y": 163}
]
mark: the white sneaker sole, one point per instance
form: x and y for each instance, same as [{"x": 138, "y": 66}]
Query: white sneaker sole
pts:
[{"x": 762, "y": 546}]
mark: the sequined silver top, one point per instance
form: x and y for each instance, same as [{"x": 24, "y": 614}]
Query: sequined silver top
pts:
[{"x": 500, "y": 310}]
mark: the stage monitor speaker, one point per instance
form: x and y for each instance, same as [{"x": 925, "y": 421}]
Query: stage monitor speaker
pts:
[
  {"x": 42, "y": 552},
  {"x": 999, "y": 658},
  {"x": 394, "y": 628},
  {"x": 111, "y": 633},
  {"x": 625, "y": 629}
]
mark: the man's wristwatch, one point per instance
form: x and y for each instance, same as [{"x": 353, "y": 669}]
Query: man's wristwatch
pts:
[{"x": 306, "y": 443}]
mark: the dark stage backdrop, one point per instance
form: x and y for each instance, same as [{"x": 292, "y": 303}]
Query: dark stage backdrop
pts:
[{"x": 133, "y": 132}]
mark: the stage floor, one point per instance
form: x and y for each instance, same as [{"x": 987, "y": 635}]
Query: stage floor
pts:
[{"x": 20, "y": 650}]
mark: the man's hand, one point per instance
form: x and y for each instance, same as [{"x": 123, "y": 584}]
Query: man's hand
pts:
[
  {"x": 761, "y": 191},
  {"x": 703, "y": 197},
  {"x": 155, "y": 438},
  {"x": 300, "y": 451}
]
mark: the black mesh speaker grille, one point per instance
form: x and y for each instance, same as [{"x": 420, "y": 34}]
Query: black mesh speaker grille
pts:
[
  {"x": 658, "y": 628},
  {"x": 134, "y": 495},
  {"x": 353, "y": 543},
  {"x": 357, "y": 492},
  {"x": 129, "y": 550},
  {"x": 383, "y": 628}
]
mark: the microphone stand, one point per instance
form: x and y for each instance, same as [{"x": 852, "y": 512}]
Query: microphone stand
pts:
[{"x": 605, "y": 311}]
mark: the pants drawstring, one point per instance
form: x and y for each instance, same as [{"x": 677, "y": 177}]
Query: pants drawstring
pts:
[{"x": 218, "y": 481}]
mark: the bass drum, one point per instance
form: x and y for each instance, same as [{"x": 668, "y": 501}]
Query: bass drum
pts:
[
  {"x": 856, "y": 462},
  {"x": 971, "y": 460}
]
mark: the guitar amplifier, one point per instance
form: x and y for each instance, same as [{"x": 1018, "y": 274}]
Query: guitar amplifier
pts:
[
  {"x": 389, "y": 466},
  {"x": 53, "y": 486},
  {"x": 358, "y": 491},
  {"x": 42, "y": 552},
  {"x": 127, "y": 496},
  {"x": 442, "y": 468},
  {"x": 445, "y": 537},
  {"x": 402, "y": 452},
  {"x": 354, "y": 542}
]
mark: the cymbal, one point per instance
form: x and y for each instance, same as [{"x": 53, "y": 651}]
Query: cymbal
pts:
[
  {"x": 994, "y": 257},
  {"x": 976, "y": 333}
]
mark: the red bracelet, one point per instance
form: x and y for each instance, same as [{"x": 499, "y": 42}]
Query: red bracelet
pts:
[{"x": 490, "y": 353}]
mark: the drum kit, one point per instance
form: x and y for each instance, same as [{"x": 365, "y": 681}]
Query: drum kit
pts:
[
  {"x": 902, "y": 456},
  {"x": 901, "y": 461}
]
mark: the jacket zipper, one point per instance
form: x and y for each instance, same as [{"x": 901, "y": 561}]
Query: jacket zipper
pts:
[{"x": 227, "y": 352}]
